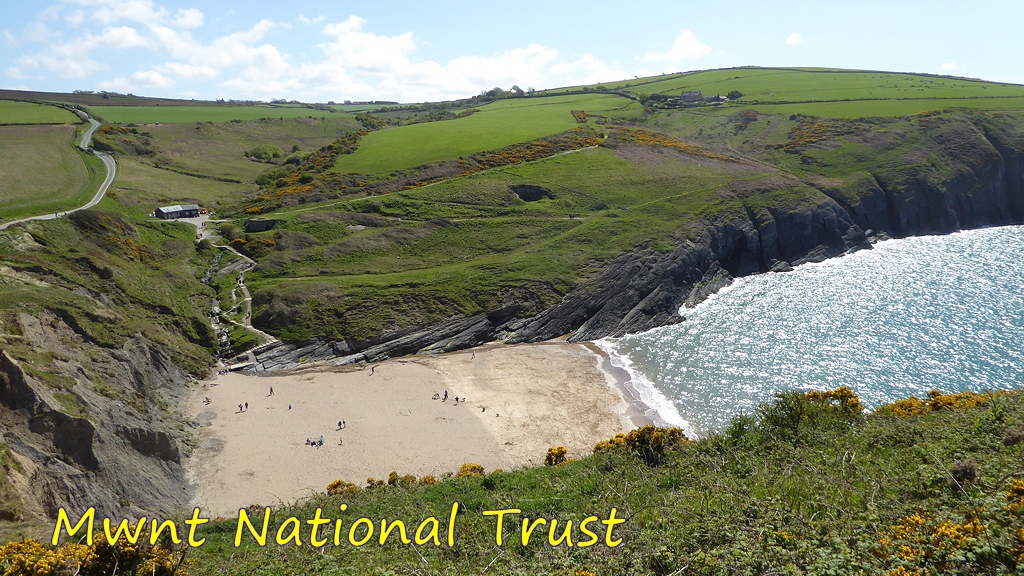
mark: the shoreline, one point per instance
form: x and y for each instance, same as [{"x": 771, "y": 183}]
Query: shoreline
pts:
[{"x": 516, "y": 401}]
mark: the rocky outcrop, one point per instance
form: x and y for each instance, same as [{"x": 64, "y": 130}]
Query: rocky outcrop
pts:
[
  {"x": 981, "y": 183},
  {"x": 119, "y": 450}
]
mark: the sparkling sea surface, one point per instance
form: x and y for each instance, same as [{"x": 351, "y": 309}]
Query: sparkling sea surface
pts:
[{"x": 908, "y": 316}]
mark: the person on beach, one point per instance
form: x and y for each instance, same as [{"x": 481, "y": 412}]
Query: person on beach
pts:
[
  {"x": 289, "y": 406},
  {"x": 483, "y": 409},
  {"x": 247, "y": 406},
  {"x": 372, "y": 370},
  {"x": 435, "y": 396},
  {"x": 445, "y": 399},
  {"x": 271, "y": 390},
  {"x": 239, "y": 408}
]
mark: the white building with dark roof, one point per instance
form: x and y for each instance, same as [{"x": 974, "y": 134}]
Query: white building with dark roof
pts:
[{"x": 177, "y": 211}]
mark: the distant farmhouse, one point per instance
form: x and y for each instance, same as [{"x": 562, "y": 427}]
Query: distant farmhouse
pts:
[
  {"x": 178, "y": 211},
  {"x": 692, "y": 96}
]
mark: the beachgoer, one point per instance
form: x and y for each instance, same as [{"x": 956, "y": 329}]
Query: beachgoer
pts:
[
  {"x": 339, "y": 424},
  {"x": 321, "y": 439},
  {"x": 473, "y": 357},
  {"x": 289, "y": 406},
  {"x": 271, "y": 390},
  {"x": 307, "y": 441},
  {"x": 435, "y": 396},
  {"x": 239, "y": 408},
  {"x": 445, "y": 399},
  {"x": 343, "y": 425},
  {"x": 483, "y": 409},
  {"x": 246, "y": 405},
  {"x": 372, "y": 369}
]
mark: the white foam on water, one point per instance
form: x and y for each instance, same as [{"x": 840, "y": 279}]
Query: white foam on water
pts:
[{"x": 656, "y": 405}]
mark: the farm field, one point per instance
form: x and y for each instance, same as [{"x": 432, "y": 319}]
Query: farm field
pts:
[
  {"x": 43, "y": 171},
  {"x": 140, "y": 187},
  {"x": 217, "y": 149},
  {"x": 496, "y": 125},
  {"x": 186, "y": 114},
  {"x": 794, "y": 84},
  {"x": 13, "y": 112}
]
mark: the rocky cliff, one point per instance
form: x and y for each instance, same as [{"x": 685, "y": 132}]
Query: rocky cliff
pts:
[
  {"x": 973, "y": 178},
  {"x": 113, "y": 447}
]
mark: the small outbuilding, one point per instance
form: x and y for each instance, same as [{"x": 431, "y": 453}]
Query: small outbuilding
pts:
[
  {"x": 692, "y": 96},
  {"x": 177, "y": 211}
]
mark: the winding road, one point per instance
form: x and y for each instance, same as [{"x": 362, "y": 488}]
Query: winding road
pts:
[{"x": 108, "y": 161}]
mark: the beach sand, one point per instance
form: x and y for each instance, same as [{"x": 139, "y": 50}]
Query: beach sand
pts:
[{"x": 519, "y": 401}]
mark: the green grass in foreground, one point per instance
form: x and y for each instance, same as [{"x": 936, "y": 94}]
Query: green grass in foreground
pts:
[
  {"x": 805, "y": 487},
  {"x": 44, "y": 172},
  {"x": 496, "y": 125},
  {"x": 178, "y": 114},
  {"x": 13, "y": 112}
]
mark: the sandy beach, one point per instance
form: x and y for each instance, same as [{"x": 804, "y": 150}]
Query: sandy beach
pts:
[{"x": 515, "y": 402}]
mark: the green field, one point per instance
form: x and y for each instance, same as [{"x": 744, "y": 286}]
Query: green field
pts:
[
  {"x": 140, "y": 187},
  {"x": 185, "y": 114},
  {"x": 217, "y": 149},
  {"x": 12, "y": 112},
  {"x": 494, "y": 126},
  {"x": 43, "y": 172}
]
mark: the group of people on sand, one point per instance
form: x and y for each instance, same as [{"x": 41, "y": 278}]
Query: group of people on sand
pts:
[
  {"x": 464, "y": 399},
  {"x": 318, "y": 443},
  {"x": 243, "y": 407}
]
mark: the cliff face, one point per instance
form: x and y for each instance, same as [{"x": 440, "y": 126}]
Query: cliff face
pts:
[
  {"x": 973, "y": 176},
  {"x": 119, "y": 454}
]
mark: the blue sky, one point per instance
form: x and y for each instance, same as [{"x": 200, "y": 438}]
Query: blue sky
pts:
[{"x": 416, "y": 51}]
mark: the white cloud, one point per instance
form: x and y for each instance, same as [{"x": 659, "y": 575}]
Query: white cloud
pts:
[
  {"x": 353, "y": 61},
  {"x": 191, "y": 18},
  {"x": 685, "y": 46},
  {"x": 794, "y": 39},
  {"x": 949, "y": 66},
  {"x": 587, "y": 70}
]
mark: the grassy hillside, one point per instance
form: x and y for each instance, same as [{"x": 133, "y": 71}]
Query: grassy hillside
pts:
[
  {"x": 12, "y": 112},
  {"x": 187, "y": 114},
  {"x": 43, "y": 171},
  {"x": 495, "y": 126},
  {"x": 469, "y": 244}
]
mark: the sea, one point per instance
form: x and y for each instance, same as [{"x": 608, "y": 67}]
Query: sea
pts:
[{"x": 900, "y": 319}]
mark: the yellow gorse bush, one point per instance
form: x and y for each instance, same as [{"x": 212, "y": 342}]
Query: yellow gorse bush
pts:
[
  {"x": 920, "y": 536},
  {"x": 469, "y": 470},
  {"x": 1015, "y": 497},
  {"x": 555, "y": 456},
  {"x": 342, "y": 488},
  {"x": 649, "y": 442},
  {"x": 843, "y": 397},
  {"x": 32, "y": 558},
  {"x": 914, "y": 406}
]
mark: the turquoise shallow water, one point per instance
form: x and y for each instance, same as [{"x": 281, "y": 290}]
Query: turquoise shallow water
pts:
[{"x": 901, "y": 319}]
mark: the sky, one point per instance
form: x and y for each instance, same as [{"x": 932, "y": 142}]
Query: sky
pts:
[{"x": 318, "y": 51}]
